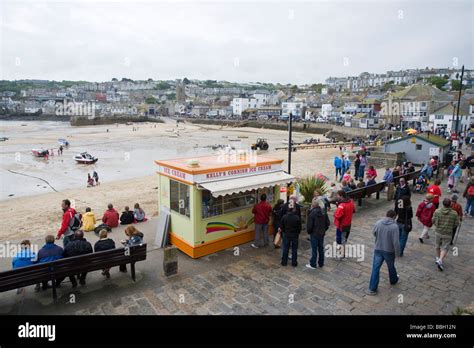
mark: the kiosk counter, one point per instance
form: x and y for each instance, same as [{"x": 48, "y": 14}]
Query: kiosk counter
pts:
[{"x": 210, "y": 199}]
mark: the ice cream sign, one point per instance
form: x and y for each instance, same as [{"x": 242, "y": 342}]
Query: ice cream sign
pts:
[
  {"x": 237, "y": 172},
  {"x": 220, "y": 173}
]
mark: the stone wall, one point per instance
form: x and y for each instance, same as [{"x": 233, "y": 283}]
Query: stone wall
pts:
[
  {"x": 312, "y": 128},
  {"x": 86, "y": 121}
]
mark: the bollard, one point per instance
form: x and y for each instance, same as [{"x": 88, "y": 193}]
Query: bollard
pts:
[
  {"x": 170, "y": 260},
  {"x": 390, "y": 191}
]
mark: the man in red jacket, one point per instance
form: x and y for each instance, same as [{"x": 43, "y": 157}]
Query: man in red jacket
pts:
[
  {"x": 261, "y": 211},
  {"x": 111, "y": 216},
  {"x": 68, "y": 218},
  {"x": 436, "y": 192},
  {"x": 343, "y": 219}
]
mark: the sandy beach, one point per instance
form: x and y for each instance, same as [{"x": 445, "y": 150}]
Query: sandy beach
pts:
[{"x": 35, "y": 214}]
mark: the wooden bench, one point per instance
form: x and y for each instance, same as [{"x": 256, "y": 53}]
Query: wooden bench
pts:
[
  {"x": 367, "y": 191},
  {"x": 59, "y": 269}
]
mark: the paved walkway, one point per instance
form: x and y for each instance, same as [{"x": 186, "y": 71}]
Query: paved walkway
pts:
[{"x": 253, "y": 282}]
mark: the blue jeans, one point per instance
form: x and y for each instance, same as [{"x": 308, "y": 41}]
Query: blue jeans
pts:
[
  {"x": 470, "y": 206},
  {"x": 379, "y": 257},
  {"x": 287, "y": 243},
  {"x": 339, "y": 171},
  {"x": 403, "y": 237},
  {"x": 361, "y": 172},
  {"x": 317, "y": 247}
]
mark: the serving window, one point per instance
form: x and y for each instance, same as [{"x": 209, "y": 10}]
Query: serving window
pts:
[
  {"x": 179, "y": 197},
  {"x": 212, "y": 206}
]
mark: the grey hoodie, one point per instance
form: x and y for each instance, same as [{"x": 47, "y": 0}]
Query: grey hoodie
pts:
[{"x": 387, "y": 236}]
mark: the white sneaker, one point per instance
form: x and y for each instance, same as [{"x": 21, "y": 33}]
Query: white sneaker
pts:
[
  {"x": 440, "y": 265},
  {"x": 309, "y": 266},
  {"x": 254, "y": 246}
]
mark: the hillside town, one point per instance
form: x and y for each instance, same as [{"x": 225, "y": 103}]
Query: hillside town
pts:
[{"x": 423, "y": 99}]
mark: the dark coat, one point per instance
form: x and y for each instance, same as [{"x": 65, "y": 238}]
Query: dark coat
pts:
[
  {"x": 50, "y": 252},
  {"x": 126, "y": 218},
  {"x": 77, "y": 247},
  {"x": 104, "y": 244},
  {"x": 291, "y": 225},
  {"x": 400, "y": 192},
  {"x": 318, "y": 222}
]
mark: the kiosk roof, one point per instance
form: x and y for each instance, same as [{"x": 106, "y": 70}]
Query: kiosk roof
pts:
[{"x": 207, "y": 164}]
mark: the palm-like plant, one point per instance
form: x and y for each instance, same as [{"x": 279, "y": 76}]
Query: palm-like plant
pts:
[{"x": 309, "y": 184}]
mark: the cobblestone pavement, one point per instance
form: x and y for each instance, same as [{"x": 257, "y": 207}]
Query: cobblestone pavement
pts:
[{"x": 253, "y": 282}]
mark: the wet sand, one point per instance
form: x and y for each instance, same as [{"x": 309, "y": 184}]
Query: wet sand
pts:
[{"x": 36, "y": 214}]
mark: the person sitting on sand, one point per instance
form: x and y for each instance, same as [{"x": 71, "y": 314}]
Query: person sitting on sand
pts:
[
  {"x": 111, "y": 216},
  {"x": 138, "y": 213},
  {"x": 90, "y": 181},
  {"x": 127, "y": 217},
  {"x": 88, "y": 220}
]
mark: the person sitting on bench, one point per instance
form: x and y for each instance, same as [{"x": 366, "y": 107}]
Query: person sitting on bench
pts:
[
  {"x": 135, "y": 237},
  {"x": 104, "y": 243},
  {"x": 25, "y": 257},
  {"x": 79, "y": 246},
  {"x": 49, "y": 252}
]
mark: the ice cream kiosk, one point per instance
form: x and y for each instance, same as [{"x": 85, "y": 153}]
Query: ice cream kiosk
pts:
[{"x": 210, "y": 199}]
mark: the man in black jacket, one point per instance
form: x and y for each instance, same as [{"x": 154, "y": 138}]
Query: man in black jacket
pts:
[
  {"x": 401, "y": 190},
  {"x": 291, "y": 228},
  {"x": 79, "y": 246},
  {"x": 316, "y": 226}
]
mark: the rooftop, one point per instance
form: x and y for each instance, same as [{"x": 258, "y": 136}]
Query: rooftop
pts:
[{"x": 217, "y": 163}]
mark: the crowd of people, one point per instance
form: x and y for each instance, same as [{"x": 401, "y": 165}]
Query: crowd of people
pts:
[
  {"x": 72, "y": 220},
  {"x": 391, "y": 232}
]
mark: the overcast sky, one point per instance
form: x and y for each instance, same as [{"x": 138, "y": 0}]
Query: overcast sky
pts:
[{"x": 267, "y": 41}]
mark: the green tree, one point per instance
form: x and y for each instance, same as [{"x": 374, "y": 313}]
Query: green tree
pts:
[
  {"x": 437, "y": 81},
  {"x": 151, "y": 100},
  {"x": 162, "y": 85},
  {"x": 455, "y": 85}
]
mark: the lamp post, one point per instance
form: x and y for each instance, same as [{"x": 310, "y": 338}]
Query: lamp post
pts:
[
  {"x": 459, "y": 101},
  {"x": 290, "y": 148}
]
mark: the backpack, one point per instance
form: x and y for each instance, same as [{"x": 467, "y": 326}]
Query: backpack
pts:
[
  {"x": 102, "y": 227},
  {"x": 76, "y": 222},
  {"x": 470, "y": 191}
]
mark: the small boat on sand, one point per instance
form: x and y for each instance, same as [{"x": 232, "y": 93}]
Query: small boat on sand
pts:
[
  {"x": 40, "y": 153},
  {"x": 85, "y": 158}
]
